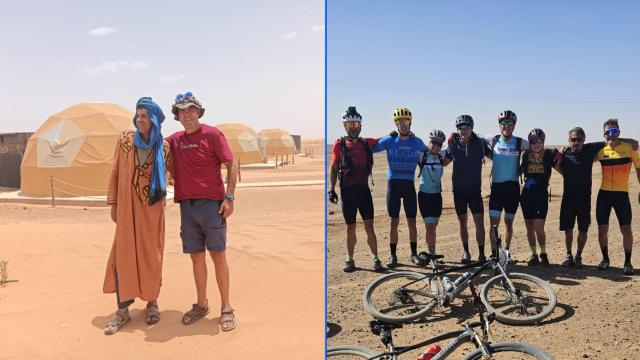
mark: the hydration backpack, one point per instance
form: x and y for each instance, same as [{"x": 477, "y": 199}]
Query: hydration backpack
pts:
[{"x": 345, "y": 163}]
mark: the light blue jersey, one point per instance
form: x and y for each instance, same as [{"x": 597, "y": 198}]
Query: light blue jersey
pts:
[
  {"x": 402, "y": 155},
  {"x": 431, "y": 174},
  {"x": 506, "y": 159}
]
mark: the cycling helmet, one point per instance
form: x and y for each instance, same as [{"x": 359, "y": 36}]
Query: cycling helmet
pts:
[
  {"x": 351, "y": 115},
  {"x": 464, "y": 119},
  {"x": 437, "y": 135},
  {"x": 536, "y": 134},
  {"x": 509, "y": 115},
  {"x": 401, "y": 114}
]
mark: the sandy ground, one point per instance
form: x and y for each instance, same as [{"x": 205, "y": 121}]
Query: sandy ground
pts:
[
  {"x": 597, "y": 313},
  {"x": 57, "y": 309}
]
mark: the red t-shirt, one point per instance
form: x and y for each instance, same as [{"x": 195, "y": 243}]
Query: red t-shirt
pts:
[
  {"x": 198, "y": 159},
  {"x": 359, "y": 173}
]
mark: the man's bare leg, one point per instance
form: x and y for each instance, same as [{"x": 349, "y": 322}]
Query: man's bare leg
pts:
[
  {"x": 508, "y": 232},
  {"x": 603, "y": 240},
  {"x": 200, "y": 277},
  {"x": 372, "y": 239},
  {"x": 351, "y": 239},
  {"x": 222, "y": 277}
]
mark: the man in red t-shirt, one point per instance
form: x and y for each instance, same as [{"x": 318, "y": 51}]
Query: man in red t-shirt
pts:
[
  {"x": 199, "y": 153},
  {"x": 351, "y": 163}
]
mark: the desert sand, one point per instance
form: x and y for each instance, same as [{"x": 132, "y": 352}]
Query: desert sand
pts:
[
  {"x": 275, "y": 244},
  {"x": 597, "y": 312}
]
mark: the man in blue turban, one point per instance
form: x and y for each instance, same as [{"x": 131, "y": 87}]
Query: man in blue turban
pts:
[{"x": 137, "y": 189}]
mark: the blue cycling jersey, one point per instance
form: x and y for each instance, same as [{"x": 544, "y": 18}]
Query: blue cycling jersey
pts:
[
  {"x": 506, "y": 159},
  {"x": 402, "y": 156},
  {"x": 431, "y": 174}
]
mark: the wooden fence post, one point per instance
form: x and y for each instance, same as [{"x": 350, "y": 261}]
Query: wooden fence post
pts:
[{"x": 53, "y": 195}]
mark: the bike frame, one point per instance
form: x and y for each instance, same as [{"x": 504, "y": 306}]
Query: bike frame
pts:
[
  {"x": 493, "y": 262},
  {"x": 451, "y": 294},
  {"x": 461, "y": 337}
]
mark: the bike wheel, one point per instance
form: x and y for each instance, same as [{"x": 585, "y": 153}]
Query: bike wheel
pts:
[
  {"x": 351, "y": 352},
  {"x": 512, "y": 351},
  {"x": 534, "y": 301},
  {"x": 400, "y": 297}
]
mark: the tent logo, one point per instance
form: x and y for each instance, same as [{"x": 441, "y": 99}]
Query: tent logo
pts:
[{"x": 58, "y": 146}]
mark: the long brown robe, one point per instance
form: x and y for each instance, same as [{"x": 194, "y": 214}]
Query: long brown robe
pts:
[{"x": 138, "y": 244}]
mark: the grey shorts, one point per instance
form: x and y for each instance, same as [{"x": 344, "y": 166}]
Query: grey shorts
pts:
[{"x": 201, "y": 225}]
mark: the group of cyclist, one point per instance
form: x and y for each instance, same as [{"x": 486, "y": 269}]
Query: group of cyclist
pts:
[{"x": 513, "y": 158}]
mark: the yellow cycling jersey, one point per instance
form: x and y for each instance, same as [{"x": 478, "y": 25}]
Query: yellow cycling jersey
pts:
[{"x": 616, "y": 165}]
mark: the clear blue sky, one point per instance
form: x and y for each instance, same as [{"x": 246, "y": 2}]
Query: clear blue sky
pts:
[
  {"x": 256, "y": 62},
  {"x": 557, "y": 64}
]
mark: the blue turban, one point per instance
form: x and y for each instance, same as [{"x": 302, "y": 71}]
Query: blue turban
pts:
[{"x": 158, "y": 181}]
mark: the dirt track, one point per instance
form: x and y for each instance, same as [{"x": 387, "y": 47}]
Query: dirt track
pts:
[{"x": 597, "y": 313}]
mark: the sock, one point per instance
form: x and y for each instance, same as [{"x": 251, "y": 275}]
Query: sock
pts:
[
  {"x": 481, "y": 250},
  {"x": 543, "y": 249},
  {"x": 627, "y": 257},
  {"x": 569, "y": 252},
  {"x": 393, "y": 248},
  {"x": 414, "y": 248},
  {"x": 432, "y": 249},
  {"x": 465, "y": 246},
  {"x": 533, "y": 249},
  {"x": 375, "y": 257},
  {"x": 605, "y": 252},
  {"x": 349, "y": 258}
]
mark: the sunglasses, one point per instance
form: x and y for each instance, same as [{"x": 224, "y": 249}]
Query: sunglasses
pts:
[
  {"x": 436, "y": 143},
  {"x": 352, "y": 124},
  {"x": 576, "y": 140},
  {"x": 612, "y": 132},
  {"x": 506, "y": 122},
  {"x": 405, "y": 122},
  {"x": 184, "y": 97},
  {"x": 537, "y": 141},
  {"x": 463, "y": 126}
]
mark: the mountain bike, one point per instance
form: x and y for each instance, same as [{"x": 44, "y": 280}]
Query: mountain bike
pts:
[
  {"x": 515, "y": 298},
  {"x": 485, "y": 349}
]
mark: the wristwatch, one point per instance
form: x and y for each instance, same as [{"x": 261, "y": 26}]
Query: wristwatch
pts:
[{"x": 229, "y": 197}]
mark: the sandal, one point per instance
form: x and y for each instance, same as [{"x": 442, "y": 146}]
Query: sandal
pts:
[
  {"x": 196, "y": 313},
  {"x": 113, "y": 326},
  {"x": 153, "y": 314},
  {"x": 227, "y": 320}
]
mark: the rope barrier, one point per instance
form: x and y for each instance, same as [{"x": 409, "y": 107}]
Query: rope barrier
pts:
[
  {"x": 78, "y": 186},
  {"x": 96, "y": 197}
]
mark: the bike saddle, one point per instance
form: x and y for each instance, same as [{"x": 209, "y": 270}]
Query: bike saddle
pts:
[
  {"x": 377, "y": 326},
  {"x": 427, "y": 257}
]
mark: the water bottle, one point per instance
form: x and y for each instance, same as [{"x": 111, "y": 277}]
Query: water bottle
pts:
[
  {"x": 430, "y": 353},
  {"x": 462, "y": 278},
  {"x": 446, "y": 282}
]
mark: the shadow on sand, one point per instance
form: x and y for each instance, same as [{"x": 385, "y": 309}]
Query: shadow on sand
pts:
[{"x": 169, "y": 327}]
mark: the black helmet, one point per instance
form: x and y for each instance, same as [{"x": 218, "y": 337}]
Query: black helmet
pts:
[
  {"x": 351, "y": 115},
  {"x": 464, "y": 119},
  {"x": 536, "y": 134},
  {"x": 509, "y": 115},
  {"x": 437, "y": 135}
]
